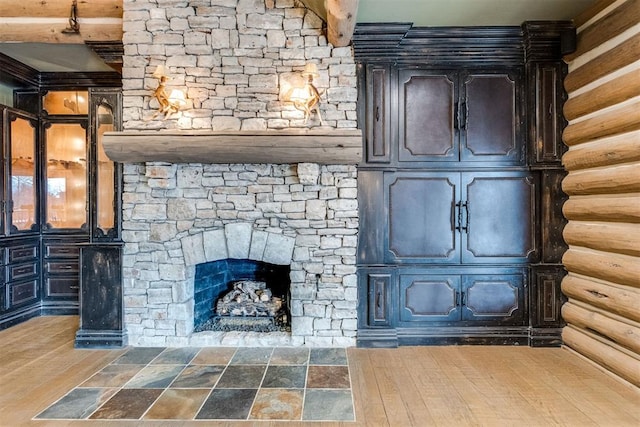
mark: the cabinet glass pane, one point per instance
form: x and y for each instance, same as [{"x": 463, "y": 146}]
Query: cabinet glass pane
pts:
[
  {"x": 66, "y": 102},
  {"x": 66, "y": 156},
  {"x": 23, "y": 174},
  {"x": 106, "y": 173}
]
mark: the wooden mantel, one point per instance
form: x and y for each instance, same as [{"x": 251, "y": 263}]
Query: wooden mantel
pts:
[{"x": 332, "y": 146}]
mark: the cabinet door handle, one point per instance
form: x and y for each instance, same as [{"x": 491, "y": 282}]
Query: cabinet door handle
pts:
[
  {"x": 463, "y": 298},
  {"x": 378, "y": 300},
  {"x": 456, "y": 112},
  {"x": 377, "y": 114},
  {"x": 459, "y": 216},
  {"x": 463, "y": 115},
  {"x": 458, "y": 301},
  {"x": 465, "y": 227}
]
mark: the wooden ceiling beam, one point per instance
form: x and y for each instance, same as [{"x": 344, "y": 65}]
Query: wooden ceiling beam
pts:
[
  {"x": 61, "y": 9},
  {"x": 340, "y": 16}
]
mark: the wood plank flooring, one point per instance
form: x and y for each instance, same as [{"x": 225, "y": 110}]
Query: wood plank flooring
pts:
[{"x": 408, "y": 386}]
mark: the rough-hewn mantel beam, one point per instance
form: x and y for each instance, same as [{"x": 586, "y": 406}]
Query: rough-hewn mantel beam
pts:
[
  {"x": 340, "y": 16},
  {"x": 333, "y": 146}
]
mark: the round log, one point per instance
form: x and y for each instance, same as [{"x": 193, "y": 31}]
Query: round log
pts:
[
  {"x": 621, "y": 208},
  {"x": 621, "y": 238},
  {"x": 606, "y": 95},
  {"x": 611, "y": 180},
  {"x": 617, "y": 57},
  {"x": 341, "y": 21},
  {"x": 604, "y": 152},
  {"x": 619, "y": 362},
  {"x": 615, "y": 298},
  {"x": 620, "y": 120},
  {"x": 623, "y": 331},
  {"x": 617, "y": 268},
  {"x": 61, "y": 9},
  {"x": 612, "y": 24}
]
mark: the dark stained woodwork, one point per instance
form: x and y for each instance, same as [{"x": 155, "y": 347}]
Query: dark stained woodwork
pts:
[
  {"x": 460, "y": 228},
  {"x": 425, "y": 232},
  {"x": 500, "y": 209},
  {"x": 102, "y": 297},
  {"x": 613, "y": 297},
  {"x": 607, "y": 27},
  {"x": 614, "y": 208},
  {"x": 489, "y": 116},
  {"x": 378, "y": 127},
  {"x": 426, "y": 116},
  {"x": 615, "y": 58},
  {"x": 287, "y": 146},
  {"x": 606, "y": 95},
  {"x": 552, "y": 221},
  {"x": 604, "y": 152}
]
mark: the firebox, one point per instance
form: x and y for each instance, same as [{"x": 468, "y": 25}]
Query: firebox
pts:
[{"x": 242, "y": 294}]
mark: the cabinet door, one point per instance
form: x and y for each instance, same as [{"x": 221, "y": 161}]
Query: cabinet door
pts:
[
  {"x": 498, "y": 216},
  {"x": 420, "y": 208},
  {"x": 429, "y": 298},
  {"x": 378, "y": 114},
  {"x": 494, "y": 298},
  {"x": 489, "y": 118},
  {"x": 427, "y": 101}
]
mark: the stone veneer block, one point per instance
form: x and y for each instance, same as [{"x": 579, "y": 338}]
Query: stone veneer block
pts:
[
  {"x": 215, "y": 245},
  {"x": 238, "y": 240},
  {"x": 258, "y": 244},
  {"x": 279, "y": 249},
  {"x": 193, "y": 250}
]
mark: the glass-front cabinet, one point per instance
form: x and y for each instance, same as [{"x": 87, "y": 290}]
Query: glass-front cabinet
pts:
[{"x": 59, "y": 193}]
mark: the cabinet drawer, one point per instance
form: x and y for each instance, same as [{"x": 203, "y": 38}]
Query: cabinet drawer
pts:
[
  {"x": 21, "y": 254},
  {"x": 22, "y": 271},
  {"x": 23, "y": 292},
  {"x": 62, "y": 267},
  {"x": 62, "y": 251},
  {"x": 67, "y": 286}
]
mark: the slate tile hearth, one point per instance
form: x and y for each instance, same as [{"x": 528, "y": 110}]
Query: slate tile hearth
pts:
[{"x": 223, "y": 383}]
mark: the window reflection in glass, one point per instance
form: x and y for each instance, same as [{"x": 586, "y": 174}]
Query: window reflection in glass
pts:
[
  {"x": 23, "y": 174},
  {"x": 66, "y": 102},
  {"x": 106, "y": 173},
  {"x": 66, "y": 156}
]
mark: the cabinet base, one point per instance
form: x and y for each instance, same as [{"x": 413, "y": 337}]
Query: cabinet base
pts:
[
  {"x": 389, "y": 338},
  {"x": 100, "y": 339},
  {"x": 20, "y": 315}
]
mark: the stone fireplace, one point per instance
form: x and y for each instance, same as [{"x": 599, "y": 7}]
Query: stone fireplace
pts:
[{"x": 251, "y": 188}]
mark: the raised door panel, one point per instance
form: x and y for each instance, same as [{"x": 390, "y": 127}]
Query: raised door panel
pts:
[
  {"x": 499, "y": 210},
  {"x": 494, "y": 298},
  {"x": 379, "y": 298},
  {"x": 426, "y": 117},
  {"x": 378, "y": 109},
  {"x": 429, "y": 298},
  {"x": 421, "y": 217},
  {"x": 488, "y": 117}
]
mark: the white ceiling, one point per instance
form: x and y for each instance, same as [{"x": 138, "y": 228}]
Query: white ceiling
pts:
[{"x": 426, "y": 13}]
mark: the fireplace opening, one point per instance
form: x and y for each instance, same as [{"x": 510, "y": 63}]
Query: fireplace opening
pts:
[{"x": 242, "y": 295}]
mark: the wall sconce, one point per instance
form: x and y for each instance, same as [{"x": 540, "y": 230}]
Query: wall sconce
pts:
[
  {"x": 307, "y": 97},
  {"x": 168, "y": 103}
]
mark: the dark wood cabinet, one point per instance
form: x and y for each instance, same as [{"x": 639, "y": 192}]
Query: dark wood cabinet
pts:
[
  {"x": 459, "y": 190},
  {"x": 470, "y": 115},
  {"x": 454, "y": 217},
  {"x": 57, "y": 189}
]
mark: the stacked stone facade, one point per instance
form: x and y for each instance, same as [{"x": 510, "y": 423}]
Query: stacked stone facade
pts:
[
  {"x": 166, "y": 204},
  {"x": 236, "y": 60}
]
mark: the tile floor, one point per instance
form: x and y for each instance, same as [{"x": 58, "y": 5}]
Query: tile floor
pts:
[{"x": 281, "y": 383}]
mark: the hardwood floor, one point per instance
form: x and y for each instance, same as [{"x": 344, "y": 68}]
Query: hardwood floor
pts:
[{"x": 408, "y": 386}]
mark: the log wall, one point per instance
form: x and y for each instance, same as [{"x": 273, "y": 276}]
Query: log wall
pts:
[{"x": 603, "y": 184}]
